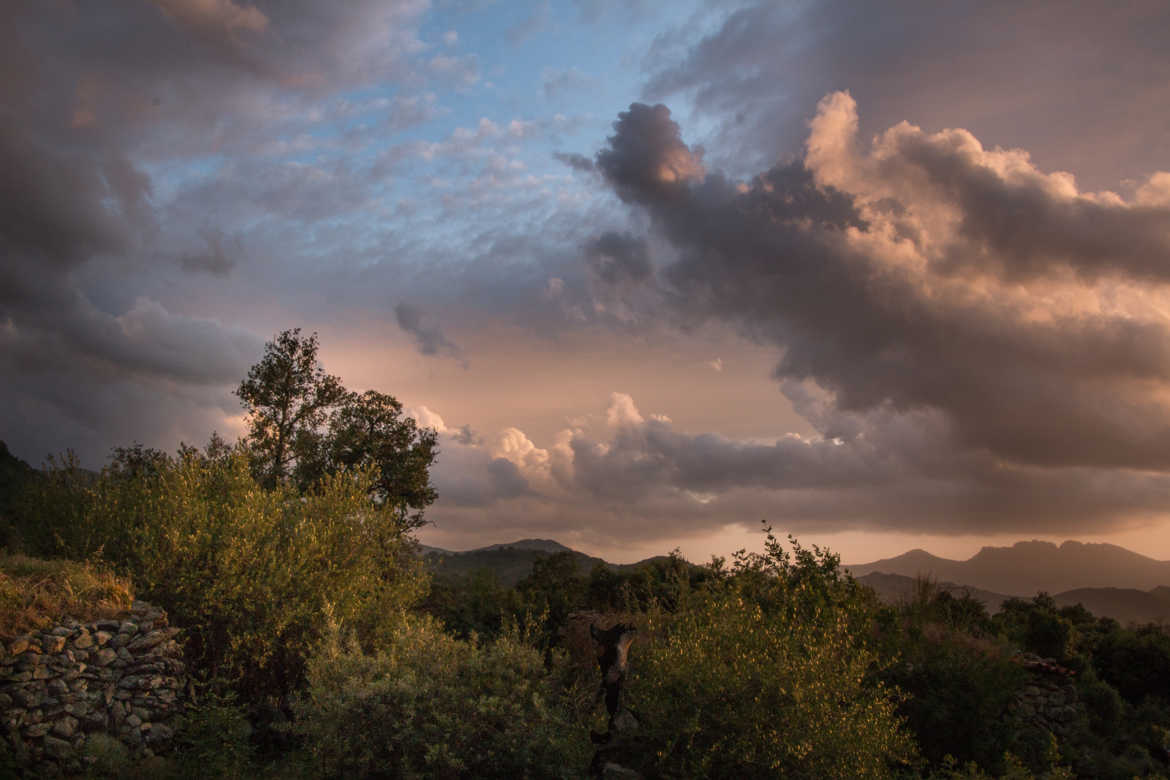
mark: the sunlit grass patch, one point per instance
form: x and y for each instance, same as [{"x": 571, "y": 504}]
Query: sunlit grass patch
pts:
[{"x": 35, "y": 592}]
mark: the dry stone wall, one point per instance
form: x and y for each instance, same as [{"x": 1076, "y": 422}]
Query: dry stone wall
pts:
[{"x": 122, "y": 678}]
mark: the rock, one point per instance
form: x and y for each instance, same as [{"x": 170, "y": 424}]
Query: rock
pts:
[
  {"x": 61, "y": 631},
  {"x": 161, "y": 732},
  {"x": 19, "y": 645},
  {"x": 58, "y": 748},
  {"x": 148, "y": 641},
  {"x": 53, "y": 643},
  {"x": 65, "y": 727},
  {"x": 57, "y": 687},
  {"x": 612, "y": 771},
  {"x": 103, "y": 638},
  {"x": 37, "y": 729},
  {"x": 83, "y": 640},
  {"x": 105, "y": 656},
  {"x": 134, "y": 720}
]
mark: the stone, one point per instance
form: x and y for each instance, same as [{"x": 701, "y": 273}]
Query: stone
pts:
[
  {"x": 19, "y": 645},
  {"x": 58, "y": 748},
  {"x": 108, "y": 625},
  {"x": 161, "y": 732},
  {"x": 61, "y": 631},
  {"x": 27, "y": 697},
  {"x": 105, "y": 656},
  {"x": 42, "y": 673},
  {"x": 134, "y": 720},
  {"x": 83, "y": 640},
  {"x": 147, "y": 641},
  {"x": 57, "y": 687},
  {"x": 37, "y": 729},
  {"x": 65, "y": 727},
  {"x": 103, "y": 638},
  {"x": 53, "y": 643}
]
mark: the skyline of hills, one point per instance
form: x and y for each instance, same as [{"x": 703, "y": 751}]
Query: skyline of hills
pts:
[{"x": 1028, "y": 567}]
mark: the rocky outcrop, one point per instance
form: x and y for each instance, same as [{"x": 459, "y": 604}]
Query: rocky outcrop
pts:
[
  {"x": 122, "y": 678},
  {"x": 1049, "y": 698}
]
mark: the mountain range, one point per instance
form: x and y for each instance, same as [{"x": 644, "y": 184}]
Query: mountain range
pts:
[
  {"x": 1110, "y": 581},
  {"x": 1026, "y": 568},
  {"x": 513, "y": 561}
]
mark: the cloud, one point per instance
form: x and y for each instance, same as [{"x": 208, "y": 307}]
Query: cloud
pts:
[
  {"x": 427, "y": 335},
  {"x": 577, "y": 162},
  {"x": 619, "y": 258},
  {"x": 557, "y": 83},
  {"x": 213, "y": 261},
  {"x": 902, "y": 284},
  {"x": 930, "y": 62}
]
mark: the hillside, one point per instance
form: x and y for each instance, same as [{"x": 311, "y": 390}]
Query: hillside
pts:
[
  {"x": 1026, "y": 568},
  {"x": 1125, "y": 605},
  {"x": 513, "y": 561}
]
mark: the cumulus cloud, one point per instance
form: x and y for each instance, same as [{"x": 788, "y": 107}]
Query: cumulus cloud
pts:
[{"x": 923, "y": 276}]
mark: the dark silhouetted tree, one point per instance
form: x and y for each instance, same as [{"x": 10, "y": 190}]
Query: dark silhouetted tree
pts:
[{"x": 288, "y": 397}]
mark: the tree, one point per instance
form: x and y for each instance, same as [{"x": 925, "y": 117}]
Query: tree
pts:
[
  {"x": 304, "y": 426},
  {"x": 369, "y": 429},
  {"x": 288, "y": 397}
]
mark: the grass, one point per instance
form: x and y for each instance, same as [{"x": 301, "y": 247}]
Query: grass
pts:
[{"x": 35, "y": 593}]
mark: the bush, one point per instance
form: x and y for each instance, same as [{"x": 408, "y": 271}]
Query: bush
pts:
[
  {"x": 766, "y": 676},
  {"x": 427, "y": 704},
  {"x": 246, "y": 571}
]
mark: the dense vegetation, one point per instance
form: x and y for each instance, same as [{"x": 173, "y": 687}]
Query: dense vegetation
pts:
[{"x": 326, "y": 648}]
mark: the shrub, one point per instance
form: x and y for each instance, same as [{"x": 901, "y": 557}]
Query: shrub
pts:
[
  {"x": 246, "y": 571},
  {"x": 427, "y": 704},
  {"x": 766, "y": 676}
]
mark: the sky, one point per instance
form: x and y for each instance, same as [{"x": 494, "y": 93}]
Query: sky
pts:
[{"x": 881, "y": 276}]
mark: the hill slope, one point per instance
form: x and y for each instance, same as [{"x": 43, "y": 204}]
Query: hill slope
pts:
[{"x": 1125, "y": 605}]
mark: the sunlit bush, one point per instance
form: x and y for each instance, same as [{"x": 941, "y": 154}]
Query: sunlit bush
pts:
[
  {"x": 429, "y": 705},
  {"x": 246, "y": 571},
  {"x": 766, "y": 676}
]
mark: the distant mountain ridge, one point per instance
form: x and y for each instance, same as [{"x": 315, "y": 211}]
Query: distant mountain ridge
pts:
[
  {"x": 513, "y": 561},
  {"x": 1026, "y": 568},
  {"x": 1125, "y": 605}
]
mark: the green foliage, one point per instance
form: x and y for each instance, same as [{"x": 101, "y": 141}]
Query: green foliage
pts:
[
  {"x": 288, "y": 396},
  {"x": 304, "y": 425},
  {"x": 1136, "y": 662},
  {"x": 213, "y": 739},
  {"x": 369, "y": 430},
  {"x": 472, "y": 603},
  {"x": 766, "y": 675},
  {"x": 247, "y": 571},
  {"x": 1038, "y": 627},
  {"x": 429, "y": 705},
  {"x": 959, "y": 695}
]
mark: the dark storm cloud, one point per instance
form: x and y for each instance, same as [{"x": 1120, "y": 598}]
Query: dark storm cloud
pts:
[
  {"x": 619, "y": 258},
  {"x": 90, "y": 99},
  {"x": 1021, "y": 385},
  {"x": 1013, "y": 73},
  {"x": 214, "y": 259},
  {"x": 427, "y": 334}
]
